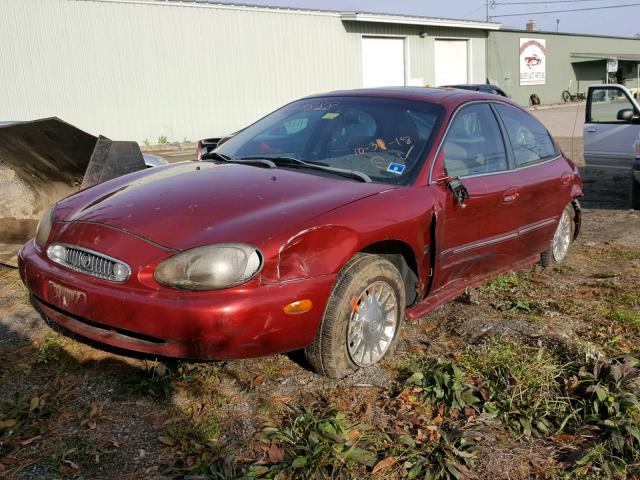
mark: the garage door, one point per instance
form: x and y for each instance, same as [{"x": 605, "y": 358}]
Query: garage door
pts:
[
  {"x": 451, "y": 62},
  {"x": 382, "y": 62}
]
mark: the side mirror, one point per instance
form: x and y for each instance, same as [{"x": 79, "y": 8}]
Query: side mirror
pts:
[
  {"x": 460, "y": 193},
  {"x": 626, "y": 115}
]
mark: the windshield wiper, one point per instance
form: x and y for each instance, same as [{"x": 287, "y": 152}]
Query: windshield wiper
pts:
[
  {"x": 293, "y": 162},
  {"x": 230, "y": 159}
]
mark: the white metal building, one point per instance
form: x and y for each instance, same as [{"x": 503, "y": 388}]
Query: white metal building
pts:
[{"x": 141, "y": 69}]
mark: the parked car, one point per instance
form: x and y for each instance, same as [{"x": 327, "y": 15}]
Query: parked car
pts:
[
  {"x": 482, "y": 87},
  {"x": 612, "y": 133},
  {"x": 320, "y": 227}
]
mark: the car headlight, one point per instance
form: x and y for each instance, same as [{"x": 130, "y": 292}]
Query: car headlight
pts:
[
  {"x": 210, "y": 268},
  {"x": 44, "y": 227}
]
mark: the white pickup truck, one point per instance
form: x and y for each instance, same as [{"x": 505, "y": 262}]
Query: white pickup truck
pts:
[{"x": 612, "y": 133}]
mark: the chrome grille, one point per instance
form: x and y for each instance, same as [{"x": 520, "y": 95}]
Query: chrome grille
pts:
[{"x": 89, "y": 262}]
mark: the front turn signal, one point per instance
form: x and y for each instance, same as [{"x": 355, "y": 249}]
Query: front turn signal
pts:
[{"x": 298, "y": 307}]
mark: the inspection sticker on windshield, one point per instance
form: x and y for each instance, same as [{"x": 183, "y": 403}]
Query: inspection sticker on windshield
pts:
[
  {"x": 397, "y": 168},
  {"x": 331, "y": 115}
]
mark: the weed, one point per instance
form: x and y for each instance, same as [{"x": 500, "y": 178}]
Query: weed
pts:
[
  {"x": 444, "y": 454},
  {"x": 606, "y": 399},
  {"x": 273, "y": 366},
  {"x": 506, "y": 283},
  {"x": 443, "y": 383},
  {"x": 162, "y": 140},
  {"x": 51, "y": 350},
  {"x": 146, "y": 142},
  {"x": 153, "y": 381},
  {"x": 605, "y": 275},
  {"x": 523, "y": 383},
  {"x": 521, "y": 306},
  {"x": 315, "y": 445}
]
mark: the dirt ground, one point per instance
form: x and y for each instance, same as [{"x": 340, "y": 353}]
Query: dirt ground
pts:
[{"x": 68, "y": 410}]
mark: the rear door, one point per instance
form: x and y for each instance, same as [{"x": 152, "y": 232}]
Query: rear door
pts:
[
  {"x": 545, "y": 178},
  {"x": 478, "y": 238},
  {"x": 609, "y": 141}
]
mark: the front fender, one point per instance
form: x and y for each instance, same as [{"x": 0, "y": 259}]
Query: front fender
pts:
[{"x": 312, "y": 252}]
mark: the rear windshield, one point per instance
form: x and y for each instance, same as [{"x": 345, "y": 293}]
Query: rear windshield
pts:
[{"x": 386, "y": 139}]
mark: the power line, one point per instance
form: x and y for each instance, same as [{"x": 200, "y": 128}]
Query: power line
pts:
[
  {"x": 564, "y": 11},
  {"x": 545, "y": 1},
  {"x": 474, "y": 11}
]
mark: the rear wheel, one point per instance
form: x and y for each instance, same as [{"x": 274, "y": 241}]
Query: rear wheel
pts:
[
  {"x": 635, "y": 193},
  {"x": 363, "y": 317},
  {"x": 566, "y": 96},
  {"x": 558, "y": 250}
]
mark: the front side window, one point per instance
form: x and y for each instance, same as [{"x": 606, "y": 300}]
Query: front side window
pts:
[
  {"x": 386, "y": 139},
  {"x": 606, "y": 104},
  {"x": 474, "y": 144},
  {"x": 530, "y": 141}
]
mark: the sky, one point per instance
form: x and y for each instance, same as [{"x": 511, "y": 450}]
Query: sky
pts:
[{"x": 615, "y": 21}]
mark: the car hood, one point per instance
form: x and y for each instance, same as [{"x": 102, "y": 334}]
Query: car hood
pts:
[{"x": 190, "y": 204}]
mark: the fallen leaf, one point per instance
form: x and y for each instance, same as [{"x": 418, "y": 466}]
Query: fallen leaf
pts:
[
  {"x": 8, "y": 460},
  {"x": 24, "y": 443},
  {"x": 354, "y": 434},
  {"x": 8, "y": 423},
  {"x": 166, "y": 441},
  {"x": 72, "y": 464},
  {"x": 35, "y": 403},
  {"x": 259, "y": 379},
  {"x": 385, "y": 463},
  {"x": 275, "y": 454},
  {"x": 469, "y": 412}
]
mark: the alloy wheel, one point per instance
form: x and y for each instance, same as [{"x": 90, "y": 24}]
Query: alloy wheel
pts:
[{"x": 373, "y": 323}]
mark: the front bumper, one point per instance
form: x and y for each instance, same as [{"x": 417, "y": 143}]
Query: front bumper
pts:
[{"x": 240, "y": 322}]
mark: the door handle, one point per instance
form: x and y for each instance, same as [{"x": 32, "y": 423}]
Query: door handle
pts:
[
  {"x": 592, "y": 130},
  {"x": 511, "y": 195},
  {"x": 565, "y": 178}
]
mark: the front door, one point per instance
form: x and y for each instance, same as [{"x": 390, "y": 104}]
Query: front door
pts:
[
  {"x": 478, "y": 238},
  {"x": 609, "y": 140}
]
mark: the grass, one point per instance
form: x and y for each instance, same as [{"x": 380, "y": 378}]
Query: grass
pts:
[
  {"x": 52, "y": 350},
  {"x": 506, "y": 284}
]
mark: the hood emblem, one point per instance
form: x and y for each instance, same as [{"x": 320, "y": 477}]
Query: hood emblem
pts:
[{"x": 85, "y": 260}]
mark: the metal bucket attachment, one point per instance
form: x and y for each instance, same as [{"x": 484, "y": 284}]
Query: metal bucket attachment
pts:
[{"x": 43, "y": 161}]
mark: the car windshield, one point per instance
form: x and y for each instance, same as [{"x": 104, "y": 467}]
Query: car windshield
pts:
[{"x": 386, "y": 139}]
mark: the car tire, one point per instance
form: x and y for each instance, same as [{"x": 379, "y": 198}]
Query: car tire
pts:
[
  {"x": 558, "y": 250},
  {"x": 365, "y": 310},
  {"x": 635, "y": 193}
]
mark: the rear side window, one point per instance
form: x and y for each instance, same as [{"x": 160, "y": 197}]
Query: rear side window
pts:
[
  {"x": 530, "y": 140},
  {"x": 474, "y": 143}
]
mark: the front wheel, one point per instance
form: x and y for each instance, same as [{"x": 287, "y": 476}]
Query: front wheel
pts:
[
  {"x": 566, "y": 96},
  {"x": 363, "y": 317},
  {"x": 558, "y": 250}
]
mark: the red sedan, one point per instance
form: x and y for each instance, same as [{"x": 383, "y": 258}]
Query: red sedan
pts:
[{"x": 321, "y": 226}]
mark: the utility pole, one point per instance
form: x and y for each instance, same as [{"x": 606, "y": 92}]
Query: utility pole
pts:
[
  {"x": 557, "y": 25},
  {"x": 487, "y": 8}
]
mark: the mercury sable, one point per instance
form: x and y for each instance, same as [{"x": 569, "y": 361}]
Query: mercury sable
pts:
[{"x": 321, "y": 227}]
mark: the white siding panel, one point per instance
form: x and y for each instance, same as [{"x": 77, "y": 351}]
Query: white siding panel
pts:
[{"x": 142, "y": 70}]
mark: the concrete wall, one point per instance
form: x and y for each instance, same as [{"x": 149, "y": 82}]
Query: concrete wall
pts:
[
  {"x": 136, "y": 69},
  {"x": 504, "y": 67}
]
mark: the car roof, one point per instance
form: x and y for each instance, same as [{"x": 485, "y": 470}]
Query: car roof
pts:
[{"x": 447, "y": 96}]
